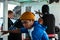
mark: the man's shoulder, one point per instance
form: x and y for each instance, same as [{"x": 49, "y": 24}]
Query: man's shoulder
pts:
[{"x": 38, "y": 30}]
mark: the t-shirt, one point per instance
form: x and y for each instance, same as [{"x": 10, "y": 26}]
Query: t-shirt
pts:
[{"x": 30, "y": 31}]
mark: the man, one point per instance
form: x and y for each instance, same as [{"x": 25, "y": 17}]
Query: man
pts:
[
  {"x": 13, "y": 34},
  {"x": 49, "y": 20},
  {"x": 10, "y": 23},
  {"x": 10, "y": 16},
  {"x": 35, "y": 30}
]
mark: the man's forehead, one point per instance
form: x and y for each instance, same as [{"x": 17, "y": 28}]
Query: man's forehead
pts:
[{"x": 24, "y": 20}]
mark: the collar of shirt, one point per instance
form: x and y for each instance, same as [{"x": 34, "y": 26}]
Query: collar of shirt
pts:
[{"x": 30, "y": 31}]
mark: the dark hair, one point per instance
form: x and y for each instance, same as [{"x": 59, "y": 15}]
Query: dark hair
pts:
[
  {"x": 45, "y": 9},
  {"x": 9, "y": 11}
]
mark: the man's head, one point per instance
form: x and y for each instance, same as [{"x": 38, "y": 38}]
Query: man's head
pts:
[
  {"x": 10, "y": 14},
  {"x": 40, "y": 20},
  {"x": 27, "y": 19},
  {"x": 45, "y": 9}
]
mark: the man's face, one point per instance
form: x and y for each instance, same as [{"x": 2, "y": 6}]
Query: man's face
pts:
[
  {"x": 40, "y": 20},
  {"x": 27, "y": 23},
  {"x": 11, "y": 15}
]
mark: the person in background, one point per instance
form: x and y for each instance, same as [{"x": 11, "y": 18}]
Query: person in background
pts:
[
  {"x": 35, "y": 30},
  {"x": 10, "y": 23},
  {"x": 13, "y": 34},
  {"x": 10, "y": 16},
  {"x": 49, "y": 20}
]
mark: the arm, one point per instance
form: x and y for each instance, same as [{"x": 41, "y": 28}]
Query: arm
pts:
[
  {"x": 11, "y": 31},
  {"x": 45, "y": 36},
  {"x": 18, "y": 30}
]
